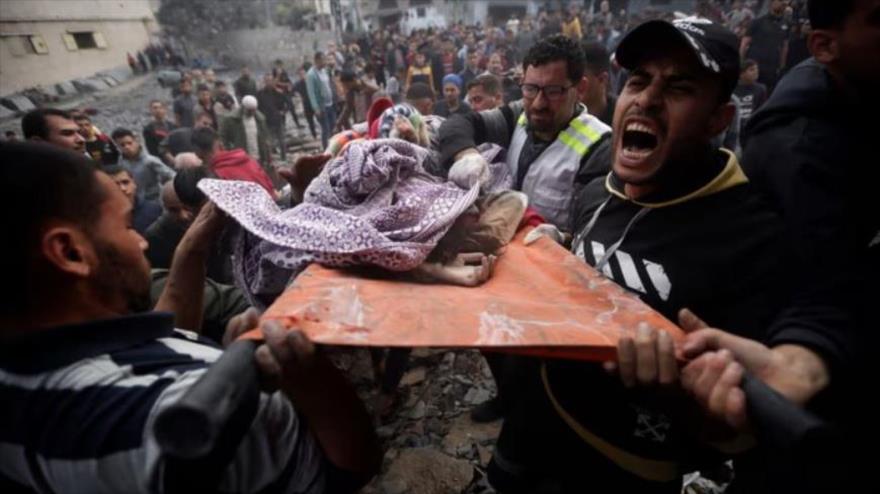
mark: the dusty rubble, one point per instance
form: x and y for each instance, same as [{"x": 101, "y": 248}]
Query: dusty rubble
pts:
[
  {"x": 431, "y": 445},
  {"x": 127, "y": 105}
]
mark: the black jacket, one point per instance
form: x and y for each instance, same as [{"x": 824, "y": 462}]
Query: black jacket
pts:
[{"x": 807, "y": 151}]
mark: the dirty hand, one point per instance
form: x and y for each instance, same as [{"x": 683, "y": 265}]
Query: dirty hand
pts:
[
  {"x": 288, "y": 357},
  {"x": 469, "y": 170},
  {"x": 547, "y": 230}
]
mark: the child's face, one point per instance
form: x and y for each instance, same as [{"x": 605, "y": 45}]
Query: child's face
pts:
[{"x": 750, "y": 75}]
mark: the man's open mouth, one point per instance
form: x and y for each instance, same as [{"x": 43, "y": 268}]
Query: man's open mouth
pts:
[{"x": 639, "y": 141}]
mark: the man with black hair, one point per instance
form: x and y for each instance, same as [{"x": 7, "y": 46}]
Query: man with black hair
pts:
[
  {"x": 644, "y": 225},
  {"x": 78, "y": 330},
  {"x": 484, "y": 93},
  {"x": 149, "y": 172},
  {"x": 809, "y": 150},
  {"x": 144, "y": 212},
  {"x": 98, "y": 145},
  {"x": 53, "y": 126},
  {"x": 421, "y": 97},
  {"x": 597, "y": 98}
]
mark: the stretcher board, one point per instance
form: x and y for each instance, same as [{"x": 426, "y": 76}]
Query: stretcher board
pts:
[{"x": 540, "y": 300}]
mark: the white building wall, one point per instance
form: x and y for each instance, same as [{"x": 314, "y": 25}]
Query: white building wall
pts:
[{"x": 28, "y": 26}]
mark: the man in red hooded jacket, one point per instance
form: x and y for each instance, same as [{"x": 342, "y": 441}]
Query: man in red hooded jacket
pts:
[{"x": 234, "y": 164}]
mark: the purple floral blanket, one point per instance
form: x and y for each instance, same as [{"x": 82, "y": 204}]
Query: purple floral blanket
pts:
[{"x": 373, "y": 205}]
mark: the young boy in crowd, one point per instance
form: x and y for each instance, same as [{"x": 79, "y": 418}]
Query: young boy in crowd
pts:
[{"x": 749, "y": 91}]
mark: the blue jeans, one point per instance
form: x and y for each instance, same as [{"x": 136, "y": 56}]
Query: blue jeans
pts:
[{"x": 328, "y": 120}]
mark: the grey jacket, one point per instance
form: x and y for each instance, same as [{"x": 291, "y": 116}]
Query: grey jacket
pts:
[{"x": 149, "y": 174}]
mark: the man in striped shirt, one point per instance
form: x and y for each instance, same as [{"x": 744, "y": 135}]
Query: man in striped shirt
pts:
[{"x": 84, "y": 370}]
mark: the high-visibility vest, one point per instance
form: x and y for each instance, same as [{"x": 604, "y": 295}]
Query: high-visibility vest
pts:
[{"x": 549, "y": 183}]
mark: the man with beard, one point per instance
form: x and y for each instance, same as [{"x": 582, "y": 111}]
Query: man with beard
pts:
[
  {"x": 645, "y": 225},
  {"x": 75, "y": 332},
  {"x": 548, "y": 137}
]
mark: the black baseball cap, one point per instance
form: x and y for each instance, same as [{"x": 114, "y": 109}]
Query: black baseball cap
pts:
[{"x": 715, "y": 46}]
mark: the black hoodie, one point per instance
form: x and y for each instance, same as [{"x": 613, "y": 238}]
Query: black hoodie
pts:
[
  {"x": 711, "y": 245},
  {"x": 807, "y": 151}
]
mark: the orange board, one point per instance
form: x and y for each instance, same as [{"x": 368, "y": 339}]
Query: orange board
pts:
[{"x": 540, "y": 300}]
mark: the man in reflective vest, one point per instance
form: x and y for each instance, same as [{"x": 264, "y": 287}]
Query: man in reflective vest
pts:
[
  {"x": 550, "y": 136},
  {"x": 553, "y": 145}
]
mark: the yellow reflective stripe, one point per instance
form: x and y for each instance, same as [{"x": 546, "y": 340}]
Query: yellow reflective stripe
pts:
[
  {"x": 572, "y": 142},
  {"x": 522, "y": 119},
  {"x": 584, "y": 129},
  {"x": 656, "y": 470}
]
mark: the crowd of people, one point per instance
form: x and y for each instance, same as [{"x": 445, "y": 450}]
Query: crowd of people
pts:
[{"x": 716, "y": 165}]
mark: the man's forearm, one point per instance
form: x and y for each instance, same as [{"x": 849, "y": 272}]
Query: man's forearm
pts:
[
  {"x": 184, "y": 291},
  {"x": 337, "y": 418},
  {"x": 806, "y": 373}
]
